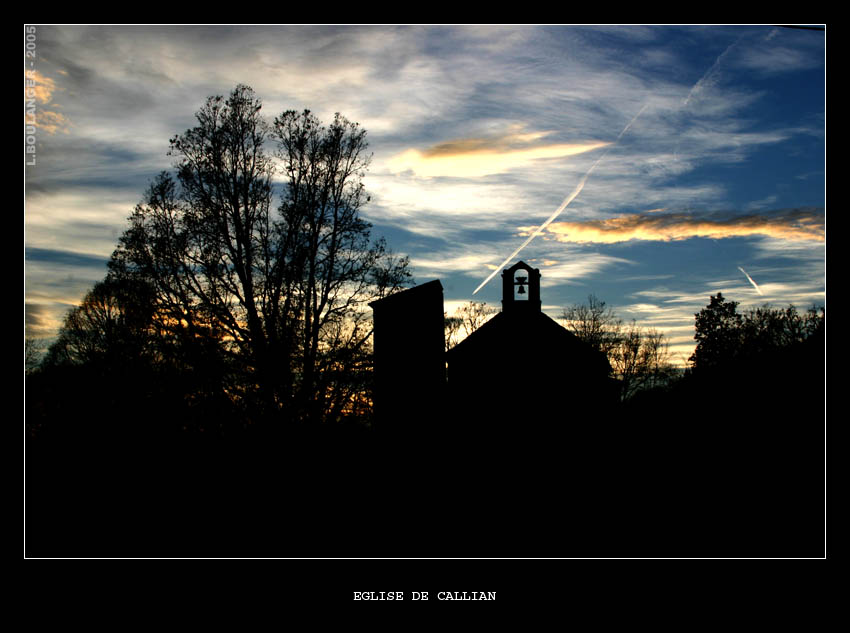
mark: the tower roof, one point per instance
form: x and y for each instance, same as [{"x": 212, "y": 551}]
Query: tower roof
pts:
[{"x": 409, "y": 295}]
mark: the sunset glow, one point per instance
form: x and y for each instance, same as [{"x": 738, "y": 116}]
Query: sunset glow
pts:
[{"x": 610, "y": 157}]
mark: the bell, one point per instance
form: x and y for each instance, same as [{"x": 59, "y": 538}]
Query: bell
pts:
[{"x": 521, "y": 290}]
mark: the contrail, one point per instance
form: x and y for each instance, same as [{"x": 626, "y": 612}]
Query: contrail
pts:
[
  {"x": 698, "y": 86},
  {"x": 564, "y": 204},
  {"x": 755, "y": 285},
  {"x": 708, "y": 74}
]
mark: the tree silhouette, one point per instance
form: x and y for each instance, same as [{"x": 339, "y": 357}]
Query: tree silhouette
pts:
[
  {"x": 465, "y": 320},
  {"x": 594, "y": 323},
  {"x": 110, "y": 328},
  {"x": 284, "y": 292},
  {"x": 639, "y": 357},
  {"x": 452, "y": 326},
  {"x": 33, "y": 350},
  {"x": 640, "y": 360},
  {"x": 718, "y": 332},
  {"x": 725, "y": 335}
]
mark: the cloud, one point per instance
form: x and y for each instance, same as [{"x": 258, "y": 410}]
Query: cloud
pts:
[
  {"x": 38, "y": 87},
  {"x": 37, "y": 320},
  {"x": 478, "y": 157},
  {"x": 782, "y": 52},
  {"x": 77, "y": 221},
  {"x": 794, "y": 224},
  {"x": 709, "y": 78},
  {"x": 63, "y": 258},
  {"x": 578, "y": 266},
  {"x": 798, "y": 291},
  {"x": 38, "y": 91},
  {"x": 446, "y": 104}
]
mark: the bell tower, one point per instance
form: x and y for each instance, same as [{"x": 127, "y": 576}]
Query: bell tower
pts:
[{"x": 521, "y": 288}]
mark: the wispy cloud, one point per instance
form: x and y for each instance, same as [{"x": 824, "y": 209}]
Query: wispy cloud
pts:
[
  {"x": 478, "y": 157},
  {"x": 38, "y": 92},
  {"x": 475, "y": 130},
  {"x": 709, "y": 78},
  {"x": 795, "y": 224},
  {"x": 781, "y": 51},
  {"x": 799, "y": 292},
  {"x": 40, "y": 320},
  {"x": 577, "y": 267},
  {"x": 41, "y": 87}
]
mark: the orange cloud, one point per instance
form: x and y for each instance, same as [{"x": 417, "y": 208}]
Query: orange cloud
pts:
[
  {"x": 477, "y": 157},
  {"x": 41, "y": 87},
  {"x": 510, "y": 141},
  {"x": 38, "y": 91},
  {"x": 796, "y": 224}
]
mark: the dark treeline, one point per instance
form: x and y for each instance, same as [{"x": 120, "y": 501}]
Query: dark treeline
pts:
[
  {"x": 224, "y": 356},
  {"x": 230, "y": 301},
  {"x": 211, "y": 396}
]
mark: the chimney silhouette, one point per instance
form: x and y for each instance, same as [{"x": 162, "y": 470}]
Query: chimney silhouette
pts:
[{"x": 409, "y": 359}]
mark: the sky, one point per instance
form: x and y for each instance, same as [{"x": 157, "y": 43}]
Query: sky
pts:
[{"x": 650, "y": 166}]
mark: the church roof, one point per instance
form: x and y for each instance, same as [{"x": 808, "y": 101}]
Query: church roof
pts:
[
  {"x": 524, "y": 337},
  {"x": 535, "y": 332}
]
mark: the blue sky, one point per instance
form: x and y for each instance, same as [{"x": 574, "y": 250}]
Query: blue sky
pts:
[{"x": 698, "y": 152}]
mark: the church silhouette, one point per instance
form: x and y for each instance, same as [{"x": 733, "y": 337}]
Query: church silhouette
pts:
[{"x": 520, "y": 376}]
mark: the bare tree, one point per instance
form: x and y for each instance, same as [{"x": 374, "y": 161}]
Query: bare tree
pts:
[
  {"x": 108, "y": 328},
  {"x": 594, "y": 323},
  {"x": 640, "y": 360},
  {"x": 452, "y": 326},
  {"x": 338, "y": 269},
  {"x": 465, "y": 320},
  {"x": 284, "y": 291},
  {"x": 639, "y": 357},
  {"x": 33, "y": 350}
]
